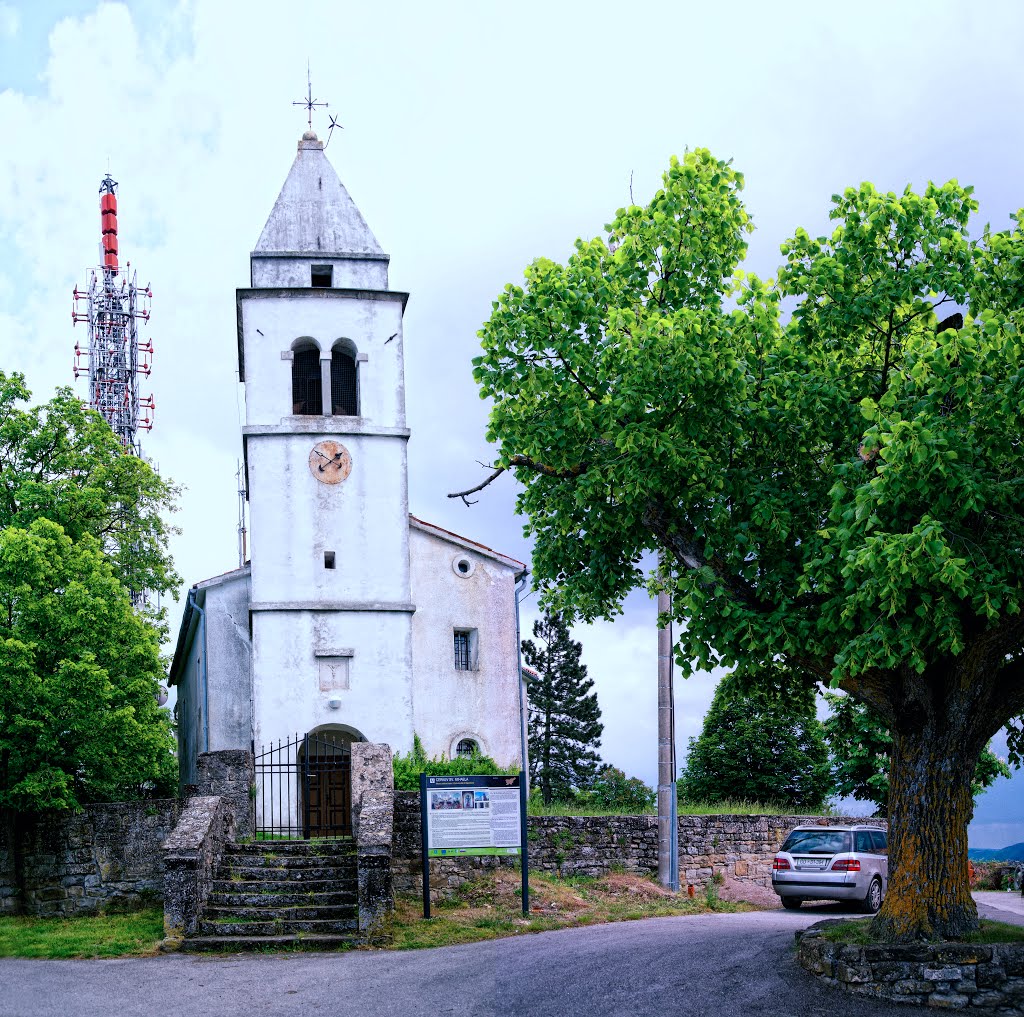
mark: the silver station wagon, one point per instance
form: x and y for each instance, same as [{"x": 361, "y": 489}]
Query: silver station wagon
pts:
[{"x": 833, "y": 863}]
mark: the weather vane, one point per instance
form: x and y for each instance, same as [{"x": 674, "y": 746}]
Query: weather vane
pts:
[{"x": 310, "y": 104}]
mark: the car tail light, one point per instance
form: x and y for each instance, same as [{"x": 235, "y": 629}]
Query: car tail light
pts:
[
  {"x": 780, "y": 863},
  {"x": 846, "y": 865}
]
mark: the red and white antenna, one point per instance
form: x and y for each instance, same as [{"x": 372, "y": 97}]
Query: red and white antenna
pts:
[{"x": 112, "y": 305}]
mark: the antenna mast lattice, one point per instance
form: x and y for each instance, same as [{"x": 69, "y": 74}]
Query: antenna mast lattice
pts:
[{"x": 112, "y": 305}]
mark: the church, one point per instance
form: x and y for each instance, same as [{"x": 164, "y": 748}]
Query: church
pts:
[{"x": 352, "y": 620}]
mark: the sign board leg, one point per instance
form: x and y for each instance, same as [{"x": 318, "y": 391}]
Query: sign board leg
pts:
[
  {"x": 423, "y": 845},
  {"x": 524, "y": 851}
]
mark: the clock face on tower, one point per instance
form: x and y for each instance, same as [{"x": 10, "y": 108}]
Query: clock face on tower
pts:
[{"x": 330, "y": 462}]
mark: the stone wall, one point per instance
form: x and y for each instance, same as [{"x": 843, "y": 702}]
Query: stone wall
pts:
[
  {"x": 741, "y": 847},
  {"x": 107, "y": 856},
  {"x": 373, "y": 803},
  {"x": 949, "y": 976}
]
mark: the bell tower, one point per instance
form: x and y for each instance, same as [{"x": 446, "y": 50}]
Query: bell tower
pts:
[{"x": 320, "y": 351}]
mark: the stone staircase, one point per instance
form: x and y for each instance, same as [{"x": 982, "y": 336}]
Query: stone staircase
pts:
[{"x": 299, "y": 895}]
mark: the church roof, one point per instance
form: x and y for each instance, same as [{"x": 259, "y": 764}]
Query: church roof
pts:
[
  {"x": 472, "y": 545},
  {"x": 314, "y": 214}
]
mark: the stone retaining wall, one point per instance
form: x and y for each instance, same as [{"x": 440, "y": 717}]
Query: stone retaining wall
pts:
[
  {"x": 75, "y": 863},
  {"x": 950, "y": 976},
  {"x": 738, "y": 846}
]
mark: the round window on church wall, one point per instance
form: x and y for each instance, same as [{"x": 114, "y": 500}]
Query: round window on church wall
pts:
[{"x": 462, "y": 566}]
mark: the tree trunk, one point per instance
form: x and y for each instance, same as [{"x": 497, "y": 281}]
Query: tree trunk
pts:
[{"x": 930, "y": 805}]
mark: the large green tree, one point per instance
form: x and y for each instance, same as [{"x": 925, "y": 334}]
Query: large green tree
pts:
[
  {"x": 831, "y": 464},
  {"x": 80, "y": 666},
  {"x": 761, "y": 741},
  {"x": 565, "y": 719},
  {"x": 861, "y": 748}
]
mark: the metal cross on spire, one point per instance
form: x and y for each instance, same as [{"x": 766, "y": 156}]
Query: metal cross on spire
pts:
[{"x": 309, "y": 102}]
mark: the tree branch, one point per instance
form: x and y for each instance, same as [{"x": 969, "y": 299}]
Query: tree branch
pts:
[{"x": 522, "y": 462}]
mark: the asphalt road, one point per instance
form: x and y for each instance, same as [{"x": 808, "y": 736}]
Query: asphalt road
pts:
[{"x": 714, "y": 965}]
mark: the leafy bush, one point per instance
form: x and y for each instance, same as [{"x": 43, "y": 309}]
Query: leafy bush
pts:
[
  {"x": 613, "y": 791},
  {"x": 408, "y": 766}
]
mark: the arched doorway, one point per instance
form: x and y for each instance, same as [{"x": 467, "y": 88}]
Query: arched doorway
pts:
[
  {"x": 303, "y": 786},
  {"x": 325, "y": 766}
]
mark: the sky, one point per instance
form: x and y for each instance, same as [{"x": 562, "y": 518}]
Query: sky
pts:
[{"x": 476, "y": 137}]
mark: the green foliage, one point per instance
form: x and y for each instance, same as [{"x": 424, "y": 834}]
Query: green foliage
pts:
[
  {"x": 61, "y": 462},
  {"x": 761, "y": 741},
  {"x": 565, "y": 720},
  {"x": 408, "y": 766},
  {"x": 612, "y": 791},
  {"x": 837, "y": 486},
  {"x": 78, "y": 672},
  {"x": 861, "y": 748},
  {"x": 80, "y": 527}
]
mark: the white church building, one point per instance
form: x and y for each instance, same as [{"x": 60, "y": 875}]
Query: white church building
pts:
[{"x": 352, "y": 620}]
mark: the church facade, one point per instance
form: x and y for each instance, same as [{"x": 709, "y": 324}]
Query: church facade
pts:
[{"x": 352, "y": 619}]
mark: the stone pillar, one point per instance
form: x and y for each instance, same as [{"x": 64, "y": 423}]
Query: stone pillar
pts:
[
  {"x": 230, "y": 774},
  {"x": 373, "y": 816}
]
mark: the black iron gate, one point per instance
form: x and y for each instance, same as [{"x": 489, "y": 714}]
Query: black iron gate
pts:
[{"x": 303, "y": 789}]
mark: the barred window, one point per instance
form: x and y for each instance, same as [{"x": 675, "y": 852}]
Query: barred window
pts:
[
  {"x": 344, "y": 391},
  {"x": 461, "y": 651},
  {"x": 307, "y": 387},
  {"x": 466, "y": 748}
]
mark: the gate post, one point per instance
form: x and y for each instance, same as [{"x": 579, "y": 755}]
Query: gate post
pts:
[
  {"x": 229, "y": 774},
  {"x": 373, "y": 815}
]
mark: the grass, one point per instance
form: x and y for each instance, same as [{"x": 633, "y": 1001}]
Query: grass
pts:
[
  {"x": 491, "y": 908},
  {"x": 724, "y": 808},
  {"x": 116, "y": 935},
  {"x": 857, "y": 933}
]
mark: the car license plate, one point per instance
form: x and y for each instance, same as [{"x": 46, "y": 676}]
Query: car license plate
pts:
[{"x": 810, "y": 863}]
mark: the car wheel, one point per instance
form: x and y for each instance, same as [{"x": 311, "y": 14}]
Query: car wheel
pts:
[
  {"x": 791, "y": 903},
  {"x": 873, "y": 901}
]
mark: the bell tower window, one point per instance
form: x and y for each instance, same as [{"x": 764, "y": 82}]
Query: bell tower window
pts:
[
  {"x": 307, "y": 384},
  {"x": 320, "y": 276},
  {"x": 344, "y": 381}
]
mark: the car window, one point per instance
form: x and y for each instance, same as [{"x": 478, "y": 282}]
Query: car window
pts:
[
  {"x": 881, "y": 842},
  {"x": 862, "y": 842},
  {"x": 818, "y": 842}
]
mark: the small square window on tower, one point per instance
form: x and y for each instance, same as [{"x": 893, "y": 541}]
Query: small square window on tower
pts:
[
  {"x": 465, "y": 650},
  {"x": 321, "y": 275}
]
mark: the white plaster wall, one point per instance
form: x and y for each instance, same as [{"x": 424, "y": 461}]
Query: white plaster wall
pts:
[
  {"x": 288, "y": 698},
  {"x": 323, "y": 315},
  {"x": 349, "y": 273},
  {"x": 449, "y": 704},
  {"x": 295, "y": 519},
  {"x": 229, "y": 662}
]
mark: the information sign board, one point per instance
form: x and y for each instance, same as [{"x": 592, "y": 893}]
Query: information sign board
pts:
[
  {"x": 483, "y": 814},
  {"x": 473, "y": 816}
]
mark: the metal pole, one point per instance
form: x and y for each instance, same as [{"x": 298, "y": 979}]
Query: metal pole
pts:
[
  {"x": 668, "y": 860},
  {"x": 524, "y": 851},
  {"x": 423, "y": 845}
]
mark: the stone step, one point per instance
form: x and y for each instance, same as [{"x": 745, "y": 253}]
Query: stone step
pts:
[
  {"x": 260, "y": 898},
  {"x": 340, "y": 845},
  {"x": 279, "y": 873},
  {"x": 241, "y": 943},
  {"x": 297, "y": 862},
  {"x": 269, "y": 929},
  {"x": 313, "y": 912},
  {"x": 273, "y": 886}
]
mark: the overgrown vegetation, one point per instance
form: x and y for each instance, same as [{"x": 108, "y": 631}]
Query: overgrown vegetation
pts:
[
  {"x": 115, "y": 935},
  {"x": 491, "y": 907},
  {"x": 408, "y": 766}
]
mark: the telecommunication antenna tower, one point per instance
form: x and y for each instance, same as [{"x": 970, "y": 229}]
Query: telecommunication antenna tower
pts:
[{"x": 112, "y": 305}]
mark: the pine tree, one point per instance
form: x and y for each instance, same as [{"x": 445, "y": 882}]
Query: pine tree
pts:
[
  {"x": 761, "y": 741},
  {"x": 565, "y": 720}
]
